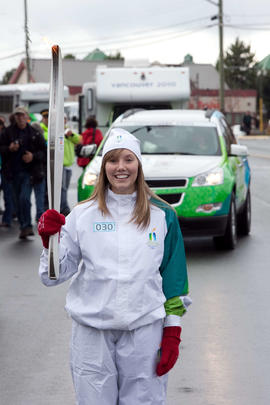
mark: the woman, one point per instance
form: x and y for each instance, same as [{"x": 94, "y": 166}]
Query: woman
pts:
[
  {"x": 92, "y": 135},
  {"x": 129, "y": 292}
]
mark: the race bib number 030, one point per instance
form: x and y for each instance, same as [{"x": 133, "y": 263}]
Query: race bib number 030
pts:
[{"x": 104, "y": 226}]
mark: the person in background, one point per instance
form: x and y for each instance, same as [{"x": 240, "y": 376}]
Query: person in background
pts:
[
  {"x": 44, "y": 126},
  {"x": 7, "y": 192},
  {"x": 71, "y": 139},
  {"x": 256, "y": 121},
  {"x": 44, "y": 123},
  {"x": 247, "y": 120},
  {"x": 2, "y": 127},
  {"x": 124, "y": 251},
  {"x": 92, "y": 135},
  {"x": 1, "y": 209},
  {"x": 2, "y": 124},
  {"x": 11, "y": 119},
  {"x": 40, "y": 187},
  {"x": 22, "y": 149}
]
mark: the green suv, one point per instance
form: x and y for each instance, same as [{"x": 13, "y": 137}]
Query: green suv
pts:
[{"x": 193, "y": 161}]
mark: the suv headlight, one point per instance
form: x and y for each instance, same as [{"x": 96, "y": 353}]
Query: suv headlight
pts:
[
  {"x": 89, "y": 179},
  {"x": 212, "y": 178}
]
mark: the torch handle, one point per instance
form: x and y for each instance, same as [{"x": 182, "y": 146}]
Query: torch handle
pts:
[
  {"x": 53, "y": 262},
  {"x": 55, "y": 152}
]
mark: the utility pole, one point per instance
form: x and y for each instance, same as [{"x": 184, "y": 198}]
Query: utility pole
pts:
[
  {"x": 27, "y": 39},
  {"x": 221, "y": 58}
]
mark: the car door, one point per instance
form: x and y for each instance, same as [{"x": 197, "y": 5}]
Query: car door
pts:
[{"x": 236, "y": 164}]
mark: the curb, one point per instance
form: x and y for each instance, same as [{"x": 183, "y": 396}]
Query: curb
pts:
[{"x": 247, "y": 137}]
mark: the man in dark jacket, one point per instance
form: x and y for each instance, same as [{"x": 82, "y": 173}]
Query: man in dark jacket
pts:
[{"x": 23, "y": 152}]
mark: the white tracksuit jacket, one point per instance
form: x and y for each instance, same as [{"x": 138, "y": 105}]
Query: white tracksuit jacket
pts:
[{"x": 122, "y": 274}]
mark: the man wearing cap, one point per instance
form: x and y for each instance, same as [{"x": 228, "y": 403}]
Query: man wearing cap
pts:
[{"x": 23, "y": 153}]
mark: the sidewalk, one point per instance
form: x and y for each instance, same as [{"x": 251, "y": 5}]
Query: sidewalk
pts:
[{"x": 254, "y": 136}]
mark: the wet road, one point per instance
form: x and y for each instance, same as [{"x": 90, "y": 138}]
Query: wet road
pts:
[{"x": 225, "y": 347}]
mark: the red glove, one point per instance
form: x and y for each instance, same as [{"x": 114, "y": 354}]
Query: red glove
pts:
[
  {"x": 169, "y": 349},
  {"x": 50, "y": 223}
]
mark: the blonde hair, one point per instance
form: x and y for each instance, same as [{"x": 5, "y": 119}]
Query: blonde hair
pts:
[{"x": 141, "y": 212}]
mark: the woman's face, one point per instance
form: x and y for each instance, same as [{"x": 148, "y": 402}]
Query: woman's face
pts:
[{"x": 122, "y": 170}]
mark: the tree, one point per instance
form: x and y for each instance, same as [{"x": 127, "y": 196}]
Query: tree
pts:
[
  {"x": 117, "y": 56},
  {"x": 239, "y": 66},
  {"x": 69, "y": 56},
  {"x": 264, "y": 89},
  {"x": 7, "y": 76}
]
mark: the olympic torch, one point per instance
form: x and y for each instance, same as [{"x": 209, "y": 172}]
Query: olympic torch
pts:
[{"x": 55, "y": 152}]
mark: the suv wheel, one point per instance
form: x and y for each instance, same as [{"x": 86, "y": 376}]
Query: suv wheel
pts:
[
  {"x": 244, "y": 218},
  {"x": 229, "y": 239}
]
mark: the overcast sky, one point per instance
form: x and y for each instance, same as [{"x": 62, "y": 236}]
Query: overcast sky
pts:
[{"x": 163, "y": 30}]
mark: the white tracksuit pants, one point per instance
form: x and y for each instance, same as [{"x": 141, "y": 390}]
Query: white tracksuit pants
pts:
[{"x": 115, "y": 367}]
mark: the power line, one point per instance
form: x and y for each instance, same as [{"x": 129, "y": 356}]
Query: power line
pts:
[
  {"x": 247, "y": 27},
  {"x": 161, "y": 37},
  {"x": 118, "y": 40},
  {"x": 249, "y": 15},
  {"x": 12, "y": 55},
  {"x": 144, "y": 42},
  {"x": 129, "y": 36}
]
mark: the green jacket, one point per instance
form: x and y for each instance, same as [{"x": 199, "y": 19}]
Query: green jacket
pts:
[
  {"x": 69, "y": 153},
  {"x": 45, "y": 129}
]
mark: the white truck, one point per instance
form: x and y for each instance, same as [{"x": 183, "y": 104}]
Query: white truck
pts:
[
  {"x": 33, "y": 96},
  {"x": 117, "y": 90}
]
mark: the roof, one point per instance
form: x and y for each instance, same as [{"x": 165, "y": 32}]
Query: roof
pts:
[
  {"x": 164, "y": 117},
  {"x": 204, "y": 76},
  {"x": 95, "y": 55},
  {"x": 265, "y": 63},
  {"x": 75, "y": 72},
  {"x": 30, "y": 91}
]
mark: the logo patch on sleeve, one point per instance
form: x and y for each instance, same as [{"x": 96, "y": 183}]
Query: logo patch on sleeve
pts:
[{"x": 104, "y": 227}]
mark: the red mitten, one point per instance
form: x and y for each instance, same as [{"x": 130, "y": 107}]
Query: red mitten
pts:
[
  {"x": 49, "y": 224},
  {"x": 169, "y": 349}
]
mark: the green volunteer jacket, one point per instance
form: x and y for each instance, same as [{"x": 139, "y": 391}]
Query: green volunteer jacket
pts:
[{"x": 69, "y": 153}]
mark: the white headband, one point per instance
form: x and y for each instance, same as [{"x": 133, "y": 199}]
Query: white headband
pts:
[{"x": 121, "y": 139}]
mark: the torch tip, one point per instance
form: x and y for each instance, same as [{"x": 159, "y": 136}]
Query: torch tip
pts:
[{"x": 55, "y": 48}]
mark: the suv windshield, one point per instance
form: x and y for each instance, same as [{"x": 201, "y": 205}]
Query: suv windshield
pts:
[{"x": 177, "y": 139}]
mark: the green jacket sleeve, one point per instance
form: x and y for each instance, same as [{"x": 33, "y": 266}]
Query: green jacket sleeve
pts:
[
  {"x": 173, "y": 267},
  {"x": 174, "y": 306}
]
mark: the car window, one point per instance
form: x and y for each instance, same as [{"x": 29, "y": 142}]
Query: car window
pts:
[
  {"x": 229, "y": 132},
  {"x": 226, "y": 137},
  {"x": 177, "y": 139}
]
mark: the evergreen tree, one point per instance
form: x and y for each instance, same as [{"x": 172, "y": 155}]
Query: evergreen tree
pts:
[
  {"x": 239, "y": 66},
  {"x": 7, "y": 76},
  {"x": 264, "y": 89},
  {"x": 117, "y": 56},
  {"x": 69, "y": 56}
]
